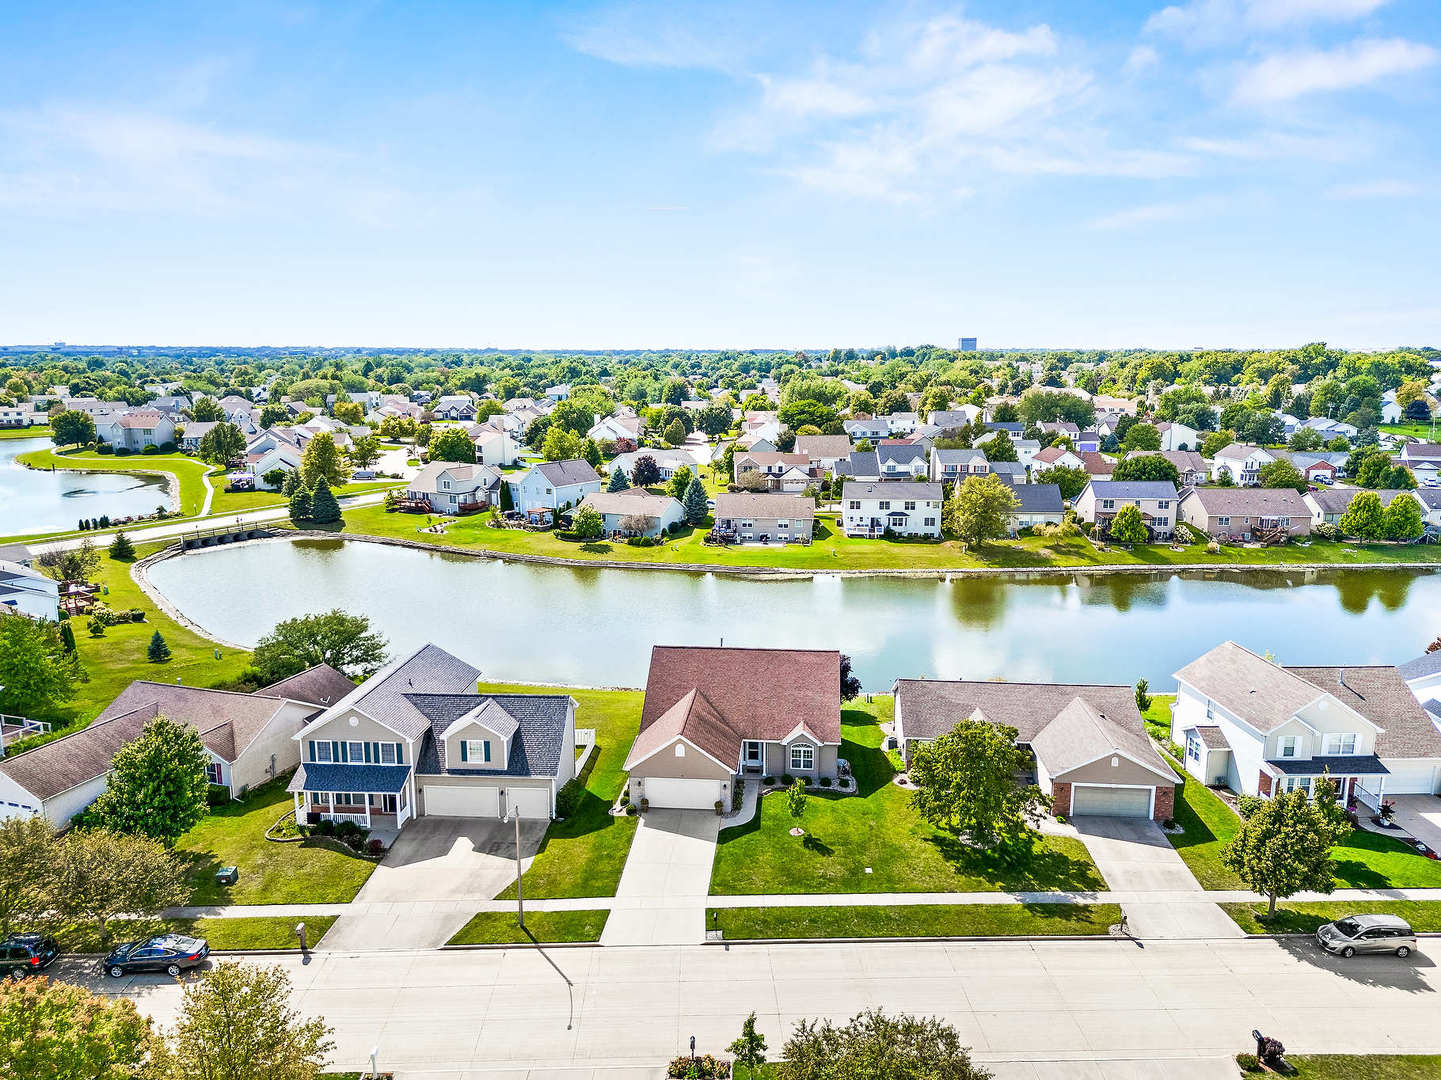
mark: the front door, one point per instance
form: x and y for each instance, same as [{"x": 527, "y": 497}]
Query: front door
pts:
[{"x": 755, "y": 754}]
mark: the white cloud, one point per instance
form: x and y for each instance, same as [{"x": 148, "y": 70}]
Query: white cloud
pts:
[
  {"x": 651, "y": 34},
  {"x": 1209, "y": 21},
  {"x": 1378, "y": 189},
  {"x": 1156, "y": 213},
  {"x": 1141, "y": 58},
  {"x": 1284, "y": 76}
]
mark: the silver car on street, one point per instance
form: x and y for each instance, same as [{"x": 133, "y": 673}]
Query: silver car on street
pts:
[{"x": 1367, "y": 934}]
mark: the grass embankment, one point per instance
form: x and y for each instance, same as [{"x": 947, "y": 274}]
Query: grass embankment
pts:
[
  {"x": 1365, "y": 860},
  {"x": 584, "y": 854},
  {"x": 224, "y": 935},
  {"x": 313, "y": 871},
  {"x": 1424, "y": 432},
  {"x": 1362, "y": 1067},
  {"x": 878, "y": 830},
  {"x": 919, "y": 920},
  {"x": 501, "y": 928},
  {"x": 1291, "y": 917},
  {"x": 25, "y": 432},
  {"x": 831, "y": 550},
  {"x": 1158, "y": 717}
]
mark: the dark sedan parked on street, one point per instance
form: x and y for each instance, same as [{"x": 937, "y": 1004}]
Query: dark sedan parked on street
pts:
[{"x": 171, "y": 954}]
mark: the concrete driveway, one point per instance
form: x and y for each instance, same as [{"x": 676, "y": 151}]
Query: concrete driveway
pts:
[
  {"x": 662, "y": 893},
  {"x": 1420, "y": 815},
  {"x": 433, "y": 860},
  {"x": 1134, "y": 855}
]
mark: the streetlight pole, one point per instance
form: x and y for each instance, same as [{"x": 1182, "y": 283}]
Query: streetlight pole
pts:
[{"x": 514, "y": 814}]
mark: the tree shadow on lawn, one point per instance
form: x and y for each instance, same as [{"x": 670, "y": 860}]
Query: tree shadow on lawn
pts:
[
  {"x": 816, "y": 846},
  {"x": 1035, "y": 869}
]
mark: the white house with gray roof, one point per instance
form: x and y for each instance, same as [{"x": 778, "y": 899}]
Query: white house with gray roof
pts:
[
  {"x": 901, "y": 507},
  {"x": 417, "y": 739},
  {"x": 554, "y": 485},
  {"x": 27, "y": 591}
]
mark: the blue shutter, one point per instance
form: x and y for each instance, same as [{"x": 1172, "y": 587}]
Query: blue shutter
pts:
[
  {"x": 344, "y": 752},
  {"x": 367, "y": 754},
  {"x": 312, "y": 749},
  {"x": 487, "y": 750},
  {"x": 462, "y": 750},
  {"x": 400, "y": 753}
]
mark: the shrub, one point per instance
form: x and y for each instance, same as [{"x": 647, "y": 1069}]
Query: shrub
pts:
[
  {"x": 135, "y": 615},
  {"x": 1213, "y": 548},
  {"x": 217, "y": 795},
  {"x": 768, "y": 780},
  {"x": 644, "y": 805},
  {"x": 787, "y": 779},
  {"x": 105, "y": 448},
  {"x": 356, "y": 842},
  {"x": 630, "y": 811},
  {"x": 568, "y": 798},
  {"x": 825, "y": 781},
  {"x": 720, "y": 808},
  {"x": 151, "y": 449},
  {"x": 375, "y": 846},
  {"x": 167, "y": 447},
  {"x": 121, "y": 451},
  {"x": 1246, "y": 805},
  {"x": 1326, "y": 531},
  {"x": 704, "y": 1067},
  {"x": 325, "y": 827}
]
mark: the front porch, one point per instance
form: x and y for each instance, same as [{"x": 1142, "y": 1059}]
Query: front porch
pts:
[
  {"x": 375, "y": 797},
  {"x": 1360, "y": 779}
]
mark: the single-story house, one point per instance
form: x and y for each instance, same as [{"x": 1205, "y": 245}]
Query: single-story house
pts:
[
  {"x": 749, "y": 516},
  {"x": 1093, "y": 756},
  {"x": 1191, "y": 468},
  {"x": 1326, "y": 505},
  {"x": 635, "y": 511},
  {"x": 1039, "y": 504},
  {"x": 711, "y": 714},
  {"x": 554, "y": 485},
  {"x": 189, "y": 434},
  {"x": 667, "y": 461},
  {"x": 26, "y": 591},
  {"x": 249, "y": 738},
  {"x": 1244, "y": 513},
  {"x": 1260, "y": 728},
  {"x": 417, "y": 739},
  {"x": 452, "y": 487}
]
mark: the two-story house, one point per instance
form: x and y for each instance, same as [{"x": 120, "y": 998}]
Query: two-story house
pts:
[
  {"x": 1057, "y": 457},
  {"x": 950, "y": 466},
  {"x": 1261, "y": 729},
  {"x": 1241, "y": 462},
  {"x": 417, "y": 739},
  {"x": 900, "y": 507},
  {"x": 783, "y": 472},
  {"x": 867, "y": 428},
  {"x": 901, "y": 461},
  {"x": 1178, "y": 436},
  {"x": 554, "y": 485},
  {"x": 135, "y": 429},
  {"x": 455, "y": 487},
  {"x": 1155, "y": 499},
  {"x": 824, "y": 450},
  {"x": 454, "y": 407},
  {"x": 767, "y": 517}
]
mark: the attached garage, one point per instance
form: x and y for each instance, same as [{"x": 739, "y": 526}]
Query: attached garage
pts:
[
  {"x": 1110, "y": 801},
  {"x": 668, "y": 791},
  {"x": 463, "y": 801},
  {"x": 533, "y": 802}
]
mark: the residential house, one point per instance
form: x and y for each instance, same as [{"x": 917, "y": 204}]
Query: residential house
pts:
[
  {"x": 860, "y": 465},
  {"x": 1097, "y": 465},
  {"x": 1392, "y": 411},
  {"x": 898, "y": 507},
  {"x": 1156, "y": 499},
  {"x": 949, "y": 466},
  {"x": 757, "y": 443},
  {"x": 899, "y": 460},
  {"x": 783, "y": 472},
  {"x": 1326, "y": 505},
  {"x": 493, "y": 445},
  {"x": 454, "y": 407},
  {"x": 1318, "y": 467},
  {"x": 1424, "y": 461},
  {"x": 1329, "y": 429},
  {"x": 22, "y": 415},
  {"x": 1053, "y": 457},
  {"x": 901, "y": 423},
  {"x": 417, "y": 739},
  {"x": 870, "y": 429},
  {"x": 667, "y": 461},
  {"x": 1106, "y": 403},
  {"x": 1178, "y": 436},
  {"x": 1037, "y": 504},
  {"x": 1092, "y": 753},
  {"x": 554, "y": 485},
  {"x": 188, "y": 435},
  {"x": 947, "y": 419},
  {"x": 1430, "y": 500},
  {"x": 1423, "y": 678},
  {"x": 635, "y": 511},
  {"x": 713, "y": 714},
  {"x": 1088, "y": 442},
  {"x": 762, "y": 424},
  {"x": 452, "y": 487},
  {"x": 248, "y": 740},
  {"x": 559, "y": 392},
  {"x": 617, "y": 429},
  {"x": 824, "y": 450},
  {"x": 394, "y": 405},
  {"x": 1240, "y": 513},
  {"x": 1261, "y": 729},
  {"x": 1191, "y": 467},
  {"x": 1013, "y": 472},
  {"x": 26, "y": 591},
  {"x": 135, "y": 429},
  {"x": 1242, "y": 462},
  {"x": 747, "y": 517}
]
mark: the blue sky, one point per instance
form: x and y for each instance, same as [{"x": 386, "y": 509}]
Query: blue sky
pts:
[{"x": 1212, "y": 172}]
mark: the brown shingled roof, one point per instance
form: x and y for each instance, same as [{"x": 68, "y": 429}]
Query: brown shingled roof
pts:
[{"x": 320, "y": 685}]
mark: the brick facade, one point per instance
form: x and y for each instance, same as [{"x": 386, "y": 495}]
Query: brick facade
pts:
[
  {"x": 1061, "y": 799},
  {"x": 1165, "y": 803},
  {"x": 1263, "y": 785}
]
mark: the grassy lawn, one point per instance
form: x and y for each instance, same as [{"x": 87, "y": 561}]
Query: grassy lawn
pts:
[
  {"x": 237, "y": 502},
  {"x": 1424, "y": 432},
  {"x": 25, "y": 432},
  {"x": 224, "y": 935},
  {"x": 314, "y": 871},
  {"x": 584, "y": 854},
  {"x": 832, "y": 550},
  {"x": 1365, "y": 1066},
  {"x": 877, "y": 828},
  {"x": 921, "y": 920},
  {"x": 1303, "y": 918},
  {"x": 1158, "y": 717},
  {"x": 1366, "y": 860},
  {"x": 500, "y": 927}
]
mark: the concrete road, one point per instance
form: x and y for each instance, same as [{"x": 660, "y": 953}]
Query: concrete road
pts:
[{"x": 448, "y": 1013}]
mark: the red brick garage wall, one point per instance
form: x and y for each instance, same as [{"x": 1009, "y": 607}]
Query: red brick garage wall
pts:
[
  {"x": 1061, "y": 799},
  {"x": 1165, "y": 803}
]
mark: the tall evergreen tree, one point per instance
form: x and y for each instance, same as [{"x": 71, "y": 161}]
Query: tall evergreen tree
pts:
[
  {"x": 300, "y": 505},
  {"x": 323, "y": 507},
  {"x": 158, "y": 651},
  {"x": 618, "y": 481},
  {"x": 695, "y": 502}
]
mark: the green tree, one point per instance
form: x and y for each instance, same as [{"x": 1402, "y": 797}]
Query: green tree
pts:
[
  {"x": 364, "y": 451},
  {"x": 72, "y": 428},
  {"x": 965, "y": 782},
  {"x": 796, "y": 798},
  {"x": 37, "y": 672},
  {"x": 618, "y": 481},
  {"x": 1364, "y": 517},
  {"x": 302, "y": 504},
  {"x": 1401, "y": 520},
  {"x": 1281, "y": 474},
  {"x": 981, "y": 509},
  {"x": 674, "y": 433},
  {"x": 53, "y": 1030},
  {"x": 561, "y": 445},
  {"x": 1071, "y": 479},
  {"x": 324, "y": 509},
  {"x": 1141, "y": 437},
  {"x": 1127, "y": 526},
  {"x": 1143, "y": 696},
  {"x": 714, "y": 420},
  {"x": 749, "y": 1050},
  {"x": 26, "y": 854},
  {"x": 695, "y": 502},
  {"x": 67, "y": 637},
  {"x": 679, "y": 481},
  {"x": 157, "y": 783},
  {"x": 452, "y": 444},
  {"x": 273, "y": 414},
  {"x": 222, "y": 444},
  {"x": 588, "y": 523},
  {"x": 875, "y": 1046},
  {"x": 322, "y": 461},
  {"x": 1215, "y": 442},
  {"x": 335, "y": 637},
  {"x": 850, "y": 683},
  {"x": 121, "y": 547},
  {"x": 1284, "y": 847},
  {"x": 206, "y": 411},
  {"x": 1146, "y": 466},
  {"x": 1000, "y": 447},
  {"x": 351, "y": 412},
  {"x": 1304, "y": 438},
  {"x": 102, "y": 875},
  {"x": 157, "y": 652},
  {"x": 237, "y": 1022}
]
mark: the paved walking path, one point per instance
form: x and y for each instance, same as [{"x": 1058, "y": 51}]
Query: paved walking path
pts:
[{"x": 661, "y": 899}]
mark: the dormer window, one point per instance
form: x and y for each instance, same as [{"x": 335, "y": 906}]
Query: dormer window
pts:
[{"x": 475, "y": 751}]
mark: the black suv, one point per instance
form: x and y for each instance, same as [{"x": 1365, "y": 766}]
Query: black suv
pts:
[
  {"x": 27, "y": 954},
  {"x": 171, "y": 954}
]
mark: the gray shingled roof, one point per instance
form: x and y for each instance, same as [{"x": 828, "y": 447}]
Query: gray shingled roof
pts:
[
  {"x": 892, "y": 489},
  {"x": 931, "y": 707},
  {"x": 535, "y": 748},
  {"x": 1336, "y": 500},
  {"x": 1212, "y": 737},
  {"x": 1423, "y": 665},
  {"x": 1038, "y": 498},
  {"x": 1250, "y": 502},
  {"x": 901, "y": 454},
  {"x": 859, "y": 463},
  {"x": 1356, "y": 765},
  {"x": 1080, "y": 733},
  {"x": 1133, "y": 489},
  {"x": 428, "y": 670},
  {"x": 962, "y": 457},
  {"x": 1380, "y": 694},
  {"x": 1251, "y": 687},
  {"x": 320, "y": 685},
  {"x": 324, "y": 776},
  {"x": 760, "y": 504},
  {"x": 565, "y": 473}
]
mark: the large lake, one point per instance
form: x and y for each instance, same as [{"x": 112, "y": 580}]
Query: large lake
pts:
[
  {"x": 596, "y": 627},
  {"x": 34, "y": 501}
]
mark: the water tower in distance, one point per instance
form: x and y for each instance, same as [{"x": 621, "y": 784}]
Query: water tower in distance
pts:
[{"x": 967, "y": 344}]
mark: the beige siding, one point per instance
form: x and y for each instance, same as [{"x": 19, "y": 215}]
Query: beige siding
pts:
[
  {"x": 499, "y": 749},
  {"x": 365, "y": 730},
  {"x": 693, "y": 766},
  {"x": 1102, "y": 772},
  {"x": 253, "y": 766}
]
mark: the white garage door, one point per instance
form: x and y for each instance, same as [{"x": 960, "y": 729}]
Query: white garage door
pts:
[
  {"x": 533, "y": 802},
  {"x": 480, "y": 802},
  {"x": 664, "y": 791},
  {"x": 1111, "y": 801}
]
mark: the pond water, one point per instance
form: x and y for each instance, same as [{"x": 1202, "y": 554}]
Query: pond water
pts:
[
  {"x": 596, "y": 627},
  {"x": 34, "y": 501}
]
